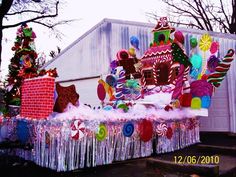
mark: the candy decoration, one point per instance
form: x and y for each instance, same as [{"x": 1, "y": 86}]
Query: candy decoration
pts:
[
  {"x": 145, "y": 130},
  {"x": 66, "y": 95},
  {"x": 22, "y": 131},
  {"x": 120, "y": 83},
  {"x": 212, "y": 63},
  {"x": 196, "y": 61},
  {"x": 191, "y": 123},
  {"x": 123, "y": 106},
  {"x": 193, "y": 42},
  {"x": 128, "y": 129},
  {"x": 179, "y": 84},
  {"x": 214, "y": 47},
  {"x": 111, "y": 80},
  {"x": 122, "y": 55},
  {"x": 206, "y": 101},
  {"x": 77, "y": 130},
  {"x": 179, "y": 37},
  {"x": 108, "y": 108},
  {"x": 185, "y": 100},
  {"x": 205, "y": 42},
  {"x": 109, "y": 90},
  {"x": 169, "y": 133},
  {"x": 101, "y": 92},
  {"x": 201, "y": 88},
  {"x": 132, "y": 52},
  {"x": 134, "y": 42},
  {"x": 218, "y": 76},
  {"x": 102, "y": 132},
  {"x": 196, "y": 103},
  {"x": 161, "y": 129}
]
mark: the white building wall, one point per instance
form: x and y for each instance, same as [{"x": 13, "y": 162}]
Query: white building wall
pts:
[{"x": 90, "y": 55}]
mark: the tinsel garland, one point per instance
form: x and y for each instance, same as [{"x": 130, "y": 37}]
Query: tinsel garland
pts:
[{"x": 54, "y": 148}]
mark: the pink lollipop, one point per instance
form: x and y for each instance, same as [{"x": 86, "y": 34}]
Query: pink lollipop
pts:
[{"x": 214, "y": 47}]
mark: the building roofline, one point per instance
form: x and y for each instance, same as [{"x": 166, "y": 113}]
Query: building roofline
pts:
[{"x": 134, "y": 23}]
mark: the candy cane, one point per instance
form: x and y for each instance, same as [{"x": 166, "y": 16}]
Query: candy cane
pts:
[
  {"x": 179, "y": 83},
  {"x": 217, "y": 77}
]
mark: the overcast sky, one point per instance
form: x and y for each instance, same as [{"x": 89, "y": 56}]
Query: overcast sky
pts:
[{"x": 89, "y": 13}]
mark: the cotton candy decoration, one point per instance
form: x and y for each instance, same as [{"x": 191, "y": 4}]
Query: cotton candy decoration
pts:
[
  {"x": 196, "y": 61},
  {"x": 77, "y": 130}
]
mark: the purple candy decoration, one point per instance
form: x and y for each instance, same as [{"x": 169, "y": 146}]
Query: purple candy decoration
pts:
[
  {"x": 113, "y": 64},
  {"x": 212, "y": 63},
  {"x": 201, "y": 88}
]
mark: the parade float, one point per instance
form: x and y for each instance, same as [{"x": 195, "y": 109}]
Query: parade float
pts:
[{"x": 149, "y": 105}]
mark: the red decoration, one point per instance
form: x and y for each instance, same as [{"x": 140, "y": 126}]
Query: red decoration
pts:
[
  {"x": 145, "y": 130},
  {"x": 169, "y": 133},
  {"x": 65, "y": 95},
  {"x": 185, "y": 100},
  {"x": 77, "y": 130},
  {"x": 101, "y": 92}
]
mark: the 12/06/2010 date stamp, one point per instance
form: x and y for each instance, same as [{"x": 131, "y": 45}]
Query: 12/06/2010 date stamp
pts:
[{"x": 197, "y": 159}]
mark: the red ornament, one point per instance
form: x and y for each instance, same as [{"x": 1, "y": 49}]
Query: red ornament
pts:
[
  {"x": 185, "y": 100},
  {"x": 169, "y": 133},
  {"x": 145, "y": 130}
]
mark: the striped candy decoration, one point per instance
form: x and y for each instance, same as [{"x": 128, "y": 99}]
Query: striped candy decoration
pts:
[
  {"x": 179, "y": 83},
  {"x": 161, "y": 129},
  {"x": 120, "y": 82},
  {"x": 217, "y": 77}
]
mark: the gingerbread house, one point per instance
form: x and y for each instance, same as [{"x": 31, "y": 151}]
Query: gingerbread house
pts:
[{"x": 158, "y": 67}]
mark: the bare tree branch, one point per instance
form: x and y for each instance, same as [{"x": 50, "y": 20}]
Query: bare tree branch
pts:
[
  {"x": 25, "y": 11},
  {"x": 34, "y": 19},
  {"x": 203, "y": 14}
]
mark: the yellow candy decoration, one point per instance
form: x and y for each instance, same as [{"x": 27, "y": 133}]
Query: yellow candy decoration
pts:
[{"x": 205, "y": 42}]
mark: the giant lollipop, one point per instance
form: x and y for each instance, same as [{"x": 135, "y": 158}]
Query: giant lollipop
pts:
[{"x": 204, "y": 45}]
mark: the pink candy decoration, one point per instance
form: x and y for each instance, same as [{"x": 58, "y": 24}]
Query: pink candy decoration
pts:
[
  {"x": 179, "y": 36},
  {"x": 214, "y": 47}
]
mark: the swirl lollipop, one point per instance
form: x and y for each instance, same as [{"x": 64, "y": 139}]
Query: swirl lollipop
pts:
[
  {"x": 161, "y": 129},
  {"x": 77, "y": 130},
  {"x": 102, "y": 132},
  {"x": 128, "y": 129}
]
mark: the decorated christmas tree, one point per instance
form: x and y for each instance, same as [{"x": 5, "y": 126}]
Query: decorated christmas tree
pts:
[{"x": 23, "y": 64}]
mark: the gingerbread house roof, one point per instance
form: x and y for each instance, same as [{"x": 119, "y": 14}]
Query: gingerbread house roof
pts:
[
  {"x": 163, "y": 24},
  {"x": 157, "y": 50}
]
